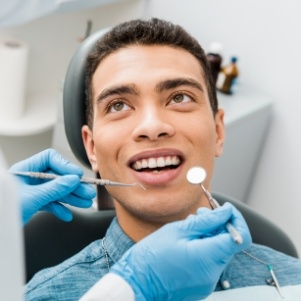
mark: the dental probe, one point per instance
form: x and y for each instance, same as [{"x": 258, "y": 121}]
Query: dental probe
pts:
[
  {"x": 197, "y": 175},
  {"x": 102, "y": 182}
]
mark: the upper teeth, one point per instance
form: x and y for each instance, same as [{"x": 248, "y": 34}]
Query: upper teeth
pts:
[{"x": 156, "y": 162}]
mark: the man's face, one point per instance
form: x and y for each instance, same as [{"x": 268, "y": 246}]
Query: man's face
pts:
[{"x": 152, "y": 122}]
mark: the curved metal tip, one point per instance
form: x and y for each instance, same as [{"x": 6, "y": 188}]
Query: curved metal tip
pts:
[{"x": 141, "y": 186}]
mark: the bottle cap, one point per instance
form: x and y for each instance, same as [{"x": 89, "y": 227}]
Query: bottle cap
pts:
[{"x": 234, "y": 59}]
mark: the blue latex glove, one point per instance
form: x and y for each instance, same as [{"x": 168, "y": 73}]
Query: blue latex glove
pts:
[
  {"x": 183, "y": 260},
  {"x": 47, "y": 195}
]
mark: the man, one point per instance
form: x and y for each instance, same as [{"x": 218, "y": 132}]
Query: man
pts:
[{"x": 152, "y": 114}]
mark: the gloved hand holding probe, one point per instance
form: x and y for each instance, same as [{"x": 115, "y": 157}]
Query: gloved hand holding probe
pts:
[
  {"x": 43, "y": 195},
  {"x": 182, "y": 260}
]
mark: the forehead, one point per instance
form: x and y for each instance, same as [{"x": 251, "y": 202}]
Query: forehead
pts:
[{"x": 146, "y": 64}]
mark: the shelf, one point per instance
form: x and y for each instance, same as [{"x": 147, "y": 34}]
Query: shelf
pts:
[
  {"x": 242, "y": 104},
  {"x": 248, "y": 115},
  {"x": 40, "y": 115}
]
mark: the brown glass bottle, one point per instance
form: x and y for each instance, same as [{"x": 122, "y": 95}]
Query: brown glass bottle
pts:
[
  {"x": 215, "y": 60},
  {"x": 227, "y": 77}
]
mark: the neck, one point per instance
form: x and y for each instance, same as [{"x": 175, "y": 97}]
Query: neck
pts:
[{"x": 137, "y": 226}]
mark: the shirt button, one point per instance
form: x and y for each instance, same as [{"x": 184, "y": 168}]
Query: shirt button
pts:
[{"x": 226, "y": 284}]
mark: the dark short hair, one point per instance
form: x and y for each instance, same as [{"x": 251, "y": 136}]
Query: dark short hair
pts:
[{"x": 145, "y": 32}]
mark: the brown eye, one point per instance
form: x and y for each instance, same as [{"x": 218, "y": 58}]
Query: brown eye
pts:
[
  {"x": 118, "y": 106},
  {"x": 180, "y": 98}
]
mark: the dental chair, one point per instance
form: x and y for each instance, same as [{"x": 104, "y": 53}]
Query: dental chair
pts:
[{"x": 49, "y": 241}]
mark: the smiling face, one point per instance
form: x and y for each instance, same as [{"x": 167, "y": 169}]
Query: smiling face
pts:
[{"x": 152, "y": 122}]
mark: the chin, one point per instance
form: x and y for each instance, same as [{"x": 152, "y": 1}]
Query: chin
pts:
[{"x": 160, "y": 213}]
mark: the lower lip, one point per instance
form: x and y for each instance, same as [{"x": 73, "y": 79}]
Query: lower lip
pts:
[{"x": 158, "y": 178}]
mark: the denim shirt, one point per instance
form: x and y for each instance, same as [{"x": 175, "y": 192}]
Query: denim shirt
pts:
[{"x": 72, "y": 278}]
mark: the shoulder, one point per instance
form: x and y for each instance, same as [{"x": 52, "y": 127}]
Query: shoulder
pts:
[
  {"x": 250, "y": 267},
  {"x": 267, "y": 255},
  {"x": 78, "y": 273}
]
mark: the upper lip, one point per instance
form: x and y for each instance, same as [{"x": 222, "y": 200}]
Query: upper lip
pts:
[{"x": 156, "y": 153}]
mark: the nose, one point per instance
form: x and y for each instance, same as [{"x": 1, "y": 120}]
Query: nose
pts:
[{"x": 153, "y": 124}]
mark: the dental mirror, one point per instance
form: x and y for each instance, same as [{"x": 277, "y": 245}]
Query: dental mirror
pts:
[{"x": 196, "y": 175}]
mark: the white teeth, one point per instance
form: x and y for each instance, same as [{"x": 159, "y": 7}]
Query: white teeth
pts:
[
  {"x": 160, "y": 162},
  {"x": 152, "y": 163},
  {"x": 138, "y": 165},
  {"x": 144, "y": 163},
  {"x": 168, "y": 160},
  {"x": 157, "y": 162},
  {"x": 175, "y": 160}
]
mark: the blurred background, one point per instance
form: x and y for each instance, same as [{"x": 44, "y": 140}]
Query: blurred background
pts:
[{"x": 261, "y": 162}]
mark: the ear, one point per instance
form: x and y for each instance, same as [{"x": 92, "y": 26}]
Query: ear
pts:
[
  {"x": 87, "y": 137},
  {"x": 220, "y": 132}
]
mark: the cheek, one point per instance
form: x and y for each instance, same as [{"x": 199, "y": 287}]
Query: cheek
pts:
[
  {"x": 203, "y": 153},
  {"x": 107, "y": 145},
  {"x": 203, "y": 137}
]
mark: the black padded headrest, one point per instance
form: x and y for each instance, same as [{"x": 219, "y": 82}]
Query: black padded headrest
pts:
[{"x": 74, "y": 97}]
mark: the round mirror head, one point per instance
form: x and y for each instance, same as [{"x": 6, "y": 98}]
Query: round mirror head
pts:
[{"x": 196, "y": 175}]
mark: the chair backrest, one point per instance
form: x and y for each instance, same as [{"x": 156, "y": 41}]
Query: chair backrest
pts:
[
  {"x": 74, "y": 107},
  {"x": 49, "y": 241},
  {"x": 74, "y": 97},
  {"x": 263, "y": 231}
]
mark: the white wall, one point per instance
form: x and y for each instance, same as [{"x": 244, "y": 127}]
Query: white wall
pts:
[
  {"x": 265, "y": 35},
  {"x": 53, "y": 40}
]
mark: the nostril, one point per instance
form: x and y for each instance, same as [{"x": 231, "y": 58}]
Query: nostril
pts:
[
  {"x": 143, "y": 136},
  {"x": 153, "y": 137},
  {"x": 152, "y": 129},
  {"x": 162, "y": 135}
]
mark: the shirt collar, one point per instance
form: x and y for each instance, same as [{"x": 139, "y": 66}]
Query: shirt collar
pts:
[{"x": 116, "y": 241}]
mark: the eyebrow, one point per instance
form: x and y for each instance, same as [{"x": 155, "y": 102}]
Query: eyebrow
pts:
[
  {"x": 124, "y": 89},
  {"x": 174, "y": 83},
  {"x": 160, "y": 87}
]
